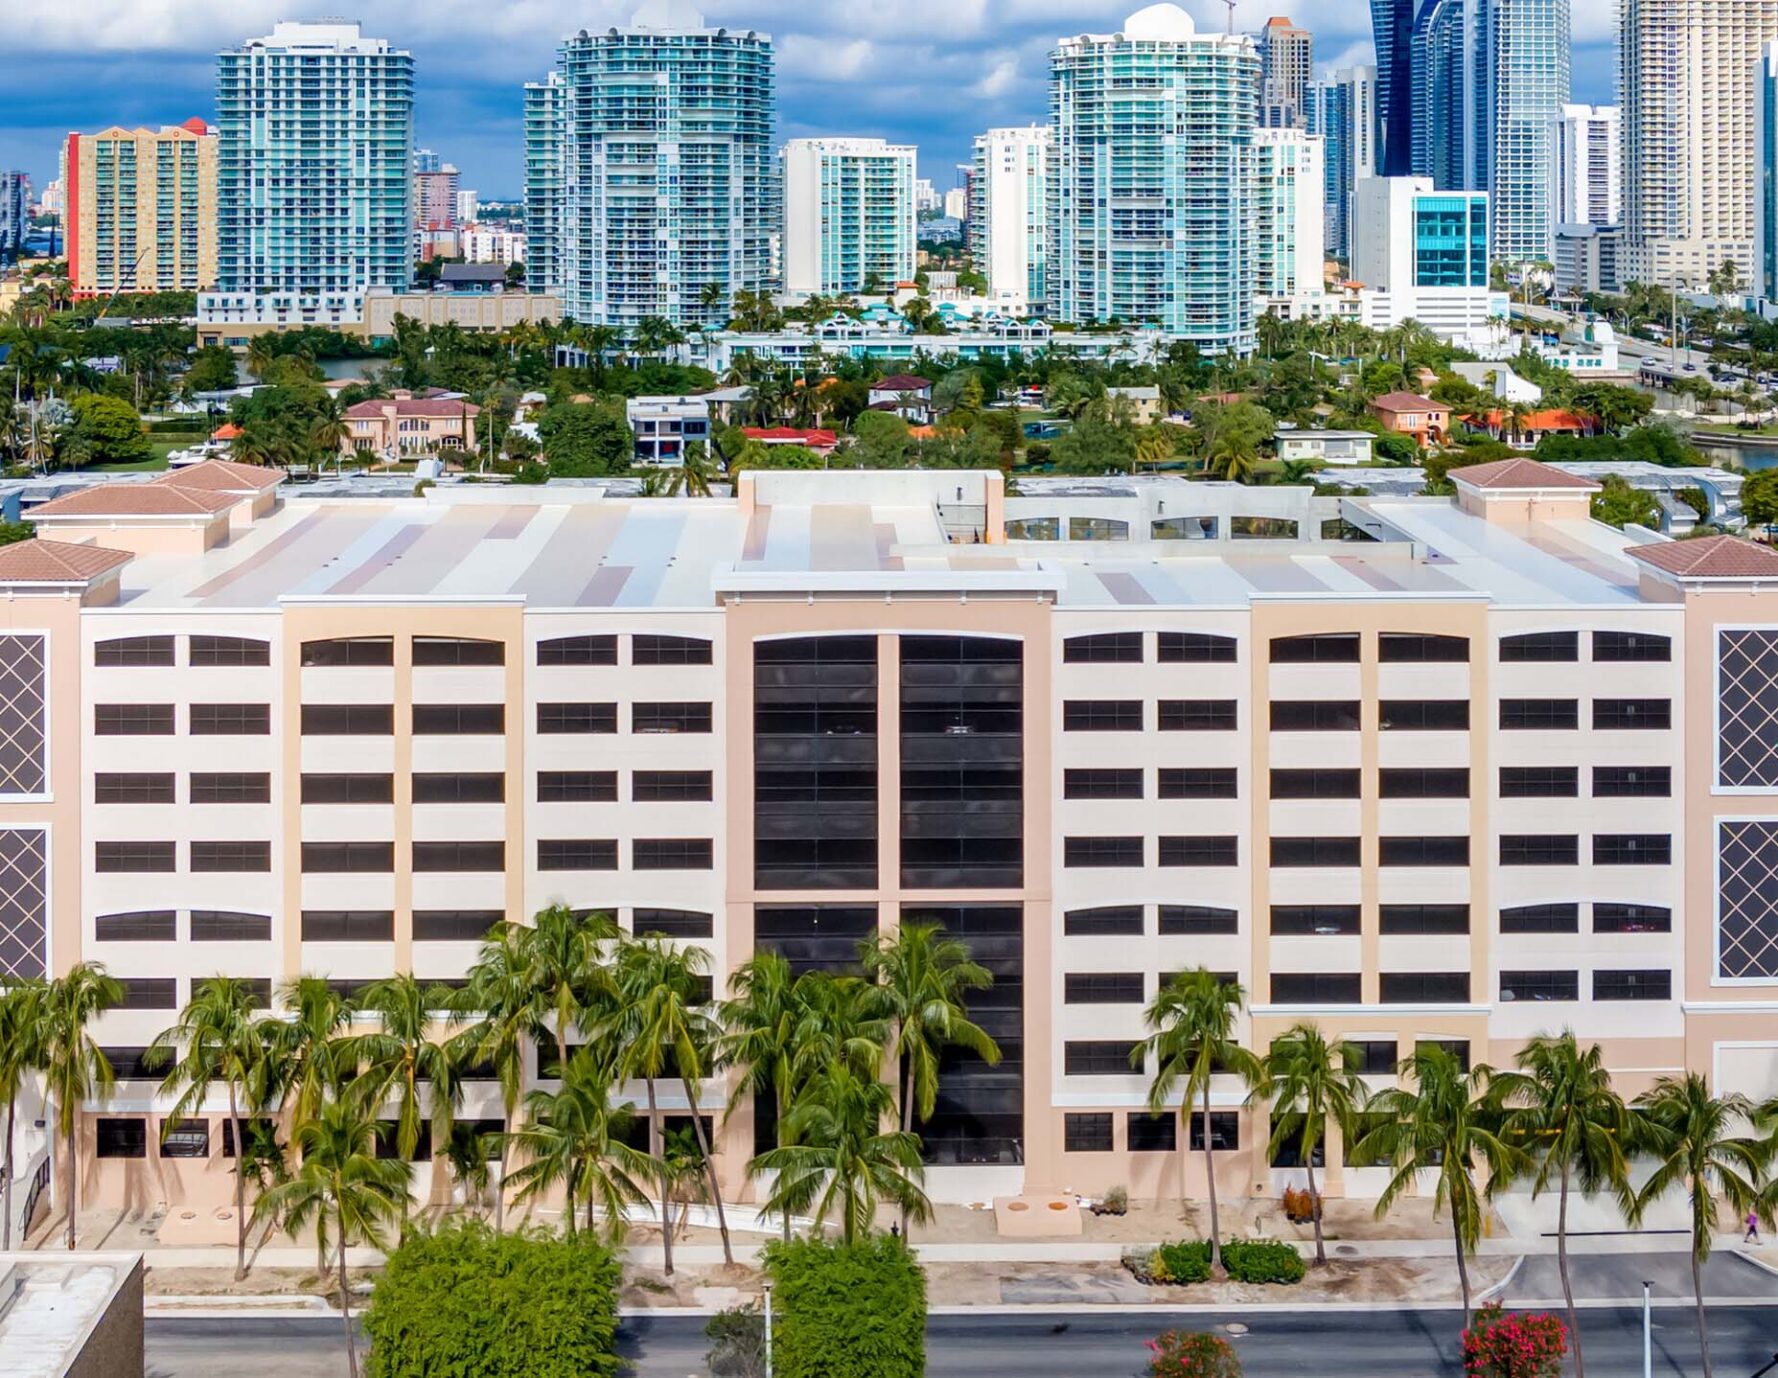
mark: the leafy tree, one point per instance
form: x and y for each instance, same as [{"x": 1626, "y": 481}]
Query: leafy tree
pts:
[
  {"x": 343, "y": 1189},
  {"x": 586, "y": 440},
  {"x": 1443, "y": 1124},
  {"x": 1392, "y": 447},
  {"x": 106, "y": 431},
  {"x": 1620, "y": 505},
  {"x": 737, "y": 1342},
  {"x": 1232, "y": 436},
  {"x": 851, "y": 1309},
  {"x": 1571, "y": 1128},
  {"x": 215, "y": 1042},
  {"x": 21, "y": 1056},
  {"x": 575, "y": 1138},
  {"x": 212, "y": 370},
  {"x": 74, "y": 1066},
  {"x": 1310, "y": 1082},
  {"x": 463, "y": 1299},
  {"x": 13, "y": 532},
  {"x": 1092, "y": 446},
  {"x": 880, "y": 439},
  {"x": 1191, "y": 1039},
  {"x": 1759, "y": 498},
  {"x": 1693, "y": 1139}
]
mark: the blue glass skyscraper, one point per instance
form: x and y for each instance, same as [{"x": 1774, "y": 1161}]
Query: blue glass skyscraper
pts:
[
  {"x": 1392, "y": 31},
  {"x": 1343, "y": 110},
  {"x": 1765, "y": 173}
]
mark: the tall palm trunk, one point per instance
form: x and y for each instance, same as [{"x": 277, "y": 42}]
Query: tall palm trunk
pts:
[
  {"x": 346, "y": 1299},
  {"x": 1210, "y": 1181},
  {"x": 1698, "y": 1300},
  {"x": 1315, "y": 1211},
  {"x": 697, "y": 1124},
  {"x": 234, "y": 1120},
  {"x": 73, "y": 1183},
  {"x": 655, "y": 1147},
  {"x": 1462, "y": 1265},
  {"x": 1580, "y": 1366},
  {"x": 6, "y": 1183},
  {"x": 907, "y": 1125}
]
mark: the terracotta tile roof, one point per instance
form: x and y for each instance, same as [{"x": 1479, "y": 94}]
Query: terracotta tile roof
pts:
[
  {"x": 1710, "y": 557},
  {"x": 1407, "y": 401},
  {"x": 155, "y": 499},
  {"x": 901, "y": 382},
  {"x": 1504, "y": 474},
  {"x": 1553, "y": 419},
  {"x": 412, "y": 406},
  {"x": 223, "y": 476},
  {"x": 56, "y": 562},
  {"x": 791, "y": 435},
  {"x": 226, "y": 431}
]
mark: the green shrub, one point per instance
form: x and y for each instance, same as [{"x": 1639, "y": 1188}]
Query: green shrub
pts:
[
  {"x": 737, "y": 1342},
  {"x": 1192, "y": 1354},
  {"x": 847, "y": 1310},
  {"x": 465, "y": 1302},
  {"x": 1263, "y": 1260}
]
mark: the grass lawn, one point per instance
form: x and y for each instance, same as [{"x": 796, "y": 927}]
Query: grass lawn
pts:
[
  {"x": 161, "y": 449},
  {"x": 1770, "y": 428}
]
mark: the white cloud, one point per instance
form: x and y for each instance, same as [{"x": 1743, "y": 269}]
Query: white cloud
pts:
[{"x": 1001, "y": 77}]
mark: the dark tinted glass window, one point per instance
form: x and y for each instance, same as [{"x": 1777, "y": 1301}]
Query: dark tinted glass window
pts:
[
  {"x": 459, "y": 856},
  {"x": 1315, "y": 851},
  {"x": 228, "y": 926},
  {"x": 1377, "y": 1057},
  {"x": 129, "y": 1063},
  {"x": 1109, "y": 648},
  {"x": 1316, "y": 988},
  {"x": 578, "y": 650},
  {"x": 1102, "y": 784},
  {"x": 1631, "y": 646},
  {"x": 1314, "y": 920},
  {"x": 1424, "y": 851},
  {"x": 1417, "y": 648},
  {"x": 1200, "y": 851},
  {"x": 1102, "y": 988},
  {"x": 1433, "y": 782},
  {"x": 1632, "y": 918},
  {"x": 1152, "y": 1131},
  {"x": 231, "y": 719},
  {"x": 1539, "y": 715},
  {"x": 1197, "y": 919},
  {"x": 1539, "y": 782},
  {"x": 659, "y": 786},
  {"x": 459, "y": 719},
  {"x": 576, "y": 786},
  {"x": 673, "y": 923},
  {"x": 454, "y": 925},
  {"x": 576, "y": 717},
  {"x": 668, "y": 650},
  {"x": 133, "y": 651},
  {"x": 189, "y": 1138},
  {"x": 1424, "y": 918},
  {"x": 1327, "y": 648},
  {"x": 1539, "y": 850},
  {"x": 1315, "y": 784},
  {"x": 576, "y": 854},
  {"x": 1632, "y": 849},
  {"x": 118, "y": 1136},
  {"x": 133, "y": 719},
  {"x": 672, "y": 854},
  {"x": 348, "y": 789},
  {"x": 353, "y": 650},
  {"x": 229, "y": 650},
  {"x": 138, "y": 926},
  {"x": 1315, "y": 715},
  {"x": 1540, "y": 646},
  {"x": 1104, "y": 1058},
  {"x": 458, "y": 650},
  {"x": 348, "y": 926},
  {"x": 1197, "y": 782},
  {"x": 231, "y": 787},
  {"x": 1101, "y": 851},
  {"x": 670, "y": 717},
  {"x": 1195, "y": 648},
  {"x": 1632, "y": 714},
  {"x": 1424, "y": 715},
  {"x": 1632, "y": 985},
  {"x": 133, "y": 789},
  {"x": 231, "y": 856},
  {"x": 1424, "y": 987},
  {"x": 1086, "y": 1133},
  {"x": 1542, "y": 986},
  {"x": 1632, "y": 782},
  {"x": 1225, "y": 1131},
  {"x": 348, "y": 719},
  {"x": 1102, "y": 715},
  {"x": 149, "y": 993},
  {"x": 1107, "y": 921},
  {"x": 1541, "y": 918},
  {"x": 1197, "y": 715},
  {"x": 127, "y": 857},
  {"x": 341, "y": 857},
  {"x": 481, "y": 787}
]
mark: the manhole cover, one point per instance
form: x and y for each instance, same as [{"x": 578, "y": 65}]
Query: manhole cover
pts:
[
  {"x": 1235, "y": 1328},
  {"x": 1346, "y": 1251}
]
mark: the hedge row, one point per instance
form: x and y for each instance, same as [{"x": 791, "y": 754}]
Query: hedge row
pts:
[{"x": 1247, "y": 1260}]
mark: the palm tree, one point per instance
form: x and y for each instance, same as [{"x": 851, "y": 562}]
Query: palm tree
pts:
[
  {"x": 759, "y": 1023},
  {"x": 839, "y": 1160},
  {"x": 692, "y": 477},
  {"x": 1691, "y": 1135},
  {"x": 1154, "y": 445},
  {"x": 923, "y": 976},
  {"x": 343, "y": 1188},
  {"x": 330, "y": 430},
  {"x": 215, "y": 1041},
  {"x": 575, "y": 1137},
  {"x": 1308, "y": 1082},
  {"x": 400, "y": 1056},
  {"x": 511, "y": 1013},
  {"x": 664, "y": 1028},
  {"x": 1572, "y": 1128},
  {"x": 838, "y": 1019},
  {"x": 1444, "y": 1124},
  {"x": 713, "y": 299},
  {"x": 75, "y": 1068},
  {"x": 21, "y": 1056},
  {"x": 564, "y": 964},
  {"x": 308, "y": 1050},
  {"x": 1192, "y": 1020}
]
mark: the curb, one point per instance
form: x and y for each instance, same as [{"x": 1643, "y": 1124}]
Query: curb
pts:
[{"x": 1488, "y": 1294}]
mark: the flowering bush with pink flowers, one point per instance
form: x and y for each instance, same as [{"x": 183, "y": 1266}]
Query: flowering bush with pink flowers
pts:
[
  {"x": 1498, "y": 1345},
  {"x": 1192, "y": 1354}
]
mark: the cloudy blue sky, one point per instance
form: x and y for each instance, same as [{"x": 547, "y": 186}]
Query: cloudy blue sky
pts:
[{"x": 928, "y": 72}]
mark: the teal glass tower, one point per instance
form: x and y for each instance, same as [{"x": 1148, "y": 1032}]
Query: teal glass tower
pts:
[
  {"x": 660, "y": 193},
  {"x": 315, "y": 137},
  {"x": 1765, "y": 173},
  {"x": 1151, "y": 179}
]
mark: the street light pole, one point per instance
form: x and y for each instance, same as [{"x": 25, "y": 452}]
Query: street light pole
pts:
[
  {"x": 1648, "y": 1341},
  {"x": 768, "y": 1330}
]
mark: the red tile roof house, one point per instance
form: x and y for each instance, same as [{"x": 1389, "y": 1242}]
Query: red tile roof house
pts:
[
  {"x": 906, "y": 394},
  {"x": 1534, "y": 427},
  {"x": 408, "y": 425},
  {"x": 1408, "y": 413},
  {"x": 819, "y": 441}
]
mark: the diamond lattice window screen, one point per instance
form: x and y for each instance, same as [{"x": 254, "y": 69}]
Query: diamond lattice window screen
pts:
[
  {"x": 1747, "y": 901},
  {"x": 22, "y": 720},
  {"x": 1747, "y": 703},
  {"x": 24, "y": 907}
]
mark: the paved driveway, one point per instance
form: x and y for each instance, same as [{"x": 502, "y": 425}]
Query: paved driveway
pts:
[{"x": 1619, "y": 1277}]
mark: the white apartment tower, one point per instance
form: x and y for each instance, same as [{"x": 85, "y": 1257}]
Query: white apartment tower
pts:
[
  {"x": 1286, "y": 67},
  {"x": 1007, "y": 223},
  {"x": 848, "y": 215},
  {"x": 1586, "y": 168},
  {"x": 1688, "y": 134},
  {"x": 1290, "y": 234}
]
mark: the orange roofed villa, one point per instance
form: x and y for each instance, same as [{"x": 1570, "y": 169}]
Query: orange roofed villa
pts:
[{"x": 404, "y": 424}]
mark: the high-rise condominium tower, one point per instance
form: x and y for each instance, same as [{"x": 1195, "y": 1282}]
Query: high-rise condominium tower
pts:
[
  {"x": 1343, "y": 110},
  {"x": 141, "y": 209},
  {"x": 1586, "y": 181},
  {"x": 1290, "y": 191},
  {"x": 1392, "y": 31},
  {"x": 315, "y": 137},
  {"x": 1765, "y": 214},
  {"x": 1688, "y": 134},
  {"x": 1151, "y": 179},
  {"x": 848, "y": 215},
  {"x": 1286, "y": 66},
  {"x": 649, "y": 168},
  {"x": 1008, "y": 223},
  {"x": 15, "y": 218}
]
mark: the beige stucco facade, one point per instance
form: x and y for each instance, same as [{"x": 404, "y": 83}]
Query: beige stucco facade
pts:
[{"x": 142, "y": 213}]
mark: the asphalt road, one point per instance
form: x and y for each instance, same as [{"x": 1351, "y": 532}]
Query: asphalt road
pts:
[
  {"x": 1620, "y": 1276},
  {"x": 1285, "y": 1344}
]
